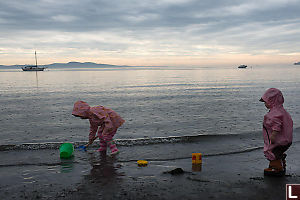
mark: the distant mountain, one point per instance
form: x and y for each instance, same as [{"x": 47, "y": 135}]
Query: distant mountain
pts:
[
  {"x": 69, "y": 64},
  {"x": 297, "y": 63},
  {"x": 79, "y": 64}
]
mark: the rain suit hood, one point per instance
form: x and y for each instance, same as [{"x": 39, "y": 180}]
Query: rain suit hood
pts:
[
  {"x": 273, "y": 97},
  {"x": 81, "y": 109}
]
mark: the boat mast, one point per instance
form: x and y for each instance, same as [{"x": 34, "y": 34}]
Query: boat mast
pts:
[{"x": 35, "y": 59}]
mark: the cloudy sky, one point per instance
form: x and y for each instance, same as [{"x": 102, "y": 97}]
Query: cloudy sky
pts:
[{"x": 150, "y": 32}]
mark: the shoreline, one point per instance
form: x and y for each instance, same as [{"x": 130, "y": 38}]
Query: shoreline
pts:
[{"x": 32, "y": 174}]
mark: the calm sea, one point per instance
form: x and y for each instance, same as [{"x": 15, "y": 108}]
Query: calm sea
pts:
[{"x": 154, "y": 101}]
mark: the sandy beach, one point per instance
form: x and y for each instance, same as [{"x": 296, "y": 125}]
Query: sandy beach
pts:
[{"x": 236, "y": 173}]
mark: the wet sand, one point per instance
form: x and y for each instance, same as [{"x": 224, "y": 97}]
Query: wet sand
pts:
[{"x": 40, "y": 174}]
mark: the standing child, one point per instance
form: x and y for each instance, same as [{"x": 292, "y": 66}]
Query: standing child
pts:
[
  {"x": 277, "y": 132},
  {"x": 103, "y": 120}
]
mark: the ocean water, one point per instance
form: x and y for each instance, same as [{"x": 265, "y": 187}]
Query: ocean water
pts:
[{"x": 35, "y": 107}]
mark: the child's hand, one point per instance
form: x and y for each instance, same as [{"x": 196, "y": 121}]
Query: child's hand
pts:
[
  {"x": 92, "y": 140},
  {"x": 273, "y": 137}
]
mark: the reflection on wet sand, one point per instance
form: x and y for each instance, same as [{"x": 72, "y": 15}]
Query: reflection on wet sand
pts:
[
  {"x": 67, "y": 165},
  {"x": 104, "y": 169},
  {"x": 104, "y": 177}
]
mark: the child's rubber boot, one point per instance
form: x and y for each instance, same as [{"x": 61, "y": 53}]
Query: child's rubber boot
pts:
[
  {"x": 113, "y": 148},
  {"x": 103, "y": 146},
  {"x": 275, "y": 168}
]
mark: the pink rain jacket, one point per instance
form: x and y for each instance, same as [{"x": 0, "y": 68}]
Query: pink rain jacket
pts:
[
  {"x": 277, "y": 119},
  {"x": 107, "y": 120}
]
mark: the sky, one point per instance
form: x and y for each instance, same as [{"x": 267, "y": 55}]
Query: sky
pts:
[{"x": 150, "y": 32}]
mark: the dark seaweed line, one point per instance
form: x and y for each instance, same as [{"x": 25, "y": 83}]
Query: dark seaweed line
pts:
[
  {"x": 120, "y": 142},
  {"x": 203, "y": 155}
]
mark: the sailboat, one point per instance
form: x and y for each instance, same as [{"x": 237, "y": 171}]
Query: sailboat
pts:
[{"x": 33, "y": 67}]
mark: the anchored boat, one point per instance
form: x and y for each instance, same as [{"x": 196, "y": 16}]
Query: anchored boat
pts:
[
  {"x": 242, "y": 66},
  {"x": 33, "y": 67}
]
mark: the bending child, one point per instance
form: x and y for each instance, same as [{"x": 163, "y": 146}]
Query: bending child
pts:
[
  {"x": 103, "y": 120},
  {"x": 277, "y": 132}
]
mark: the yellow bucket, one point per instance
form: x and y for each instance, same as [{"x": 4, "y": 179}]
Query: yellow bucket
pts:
[{"x": 196, "y": 158}]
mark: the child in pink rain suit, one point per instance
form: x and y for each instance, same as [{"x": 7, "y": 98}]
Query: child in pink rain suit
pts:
[
  {"x": 103, "y": 120},
  {"x": 277, "y": 132}
]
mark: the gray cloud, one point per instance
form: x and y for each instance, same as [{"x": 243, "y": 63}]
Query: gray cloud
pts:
[{"x": 165, "y": 27}]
